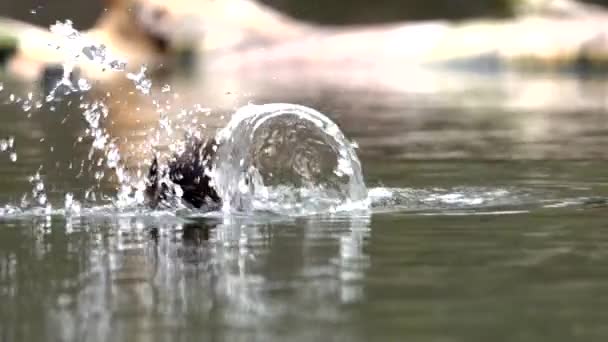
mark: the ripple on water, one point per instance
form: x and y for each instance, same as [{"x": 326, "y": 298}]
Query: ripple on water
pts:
[{"x": 409, "y": 201}]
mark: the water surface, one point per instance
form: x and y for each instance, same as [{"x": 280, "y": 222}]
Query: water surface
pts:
[{"x": 493, "y": 229}]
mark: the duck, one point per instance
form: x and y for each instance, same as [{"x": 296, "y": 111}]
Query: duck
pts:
[{"x": 188, "y": 170}]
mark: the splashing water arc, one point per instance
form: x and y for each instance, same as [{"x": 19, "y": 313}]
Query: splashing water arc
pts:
[{"x": 288, "y": 159}]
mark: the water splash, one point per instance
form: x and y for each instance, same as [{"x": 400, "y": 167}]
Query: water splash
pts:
[
  {"x": 141, "y": 81},
  {"x": 8, "y": 146},
  {"x": 298, "y": 162},
  {"x": 81, "y": 48},
  {"x": 78, "y": 49},
  {"x": 38, "y": 194},
  {"x": 104, "y": 154},
  {"x": 286, "y": 159},
  {"x": 277, "y": 158}
]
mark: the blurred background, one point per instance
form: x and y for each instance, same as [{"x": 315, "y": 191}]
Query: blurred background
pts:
[{"x": 83, "y": 14}]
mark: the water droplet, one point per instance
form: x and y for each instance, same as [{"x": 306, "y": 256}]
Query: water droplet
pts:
[
  {"x": 142, "y": 83},
  {"x": 69, "y": 199},
  {"x": 84, "y": 85},
  {"x": 99, "y": 175}
]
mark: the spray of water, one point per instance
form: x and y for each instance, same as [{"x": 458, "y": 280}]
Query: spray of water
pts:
[
  {"x": 287, "y": 159},
  {"x": 280, "y": 158}
]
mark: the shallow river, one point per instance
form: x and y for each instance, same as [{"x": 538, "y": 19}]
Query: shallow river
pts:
[{"x": 495, "y": 230}]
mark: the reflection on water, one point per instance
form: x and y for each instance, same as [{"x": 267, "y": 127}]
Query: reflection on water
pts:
[
  {"x": 136, "y": 279},
  {"x": 425, "y": 277}
]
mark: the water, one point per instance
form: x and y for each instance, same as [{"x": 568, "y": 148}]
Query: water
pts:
[
  {"x": 486, "y": 217},
  {"x": 287, "y": 159}
]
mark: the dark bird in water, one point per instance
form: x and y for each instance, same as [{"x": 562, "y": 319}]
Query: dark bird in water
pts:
[{"x": 188, "y": 170}]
